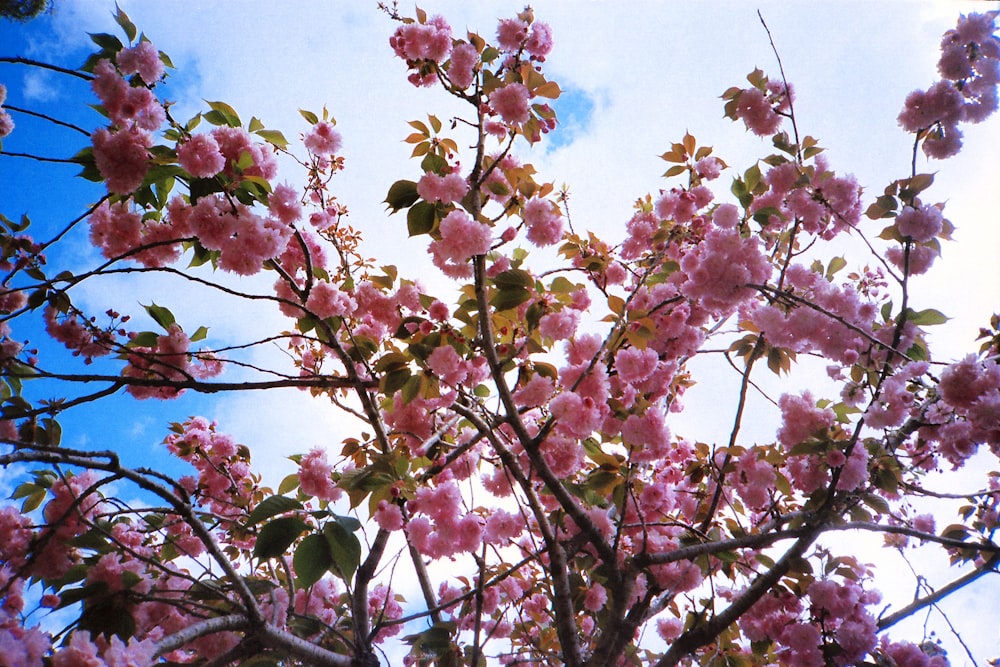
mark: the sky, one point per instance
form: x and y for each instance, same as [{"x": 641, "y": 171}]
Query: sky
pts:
[{"x": 635, "y": 80}]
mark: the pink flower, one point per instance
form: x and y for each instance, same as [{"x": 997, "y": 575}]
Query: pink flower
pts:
[
  {"x": 423, "y": 41},
  {"x": 388, "y": 516},
  {"x": 755, "y": 110},
  {"x": 924, "y": 523},
  {"x": 200, "y": 156},
  {"x": 122, "y": 158},
  {"x": 79, "y": 652},
  {"x": 560, "y": 325},
  {"x": 284, "y": 204},
  {"x": 234, "y": 142},
  {"x": 326, "y": 300},
  {"x": 322, "y": 140},
  {"x": 918, "y": 262},
  {"x": 635, "y": 365},
  {"x": 511, "y": 102},
  {"x": 538, "y": 390},
  {"x": 115, "y": 229},
  {"x": 647, "y": 435},
  {"x": 447, "y": 365},
  {"x": 539, "y": 42},
  {"x": 511, "y": 34},
  {"x": 463, "y": 61},
  {"x": 965, "y": 382},
  {"x": 544, "y": 222},
  {"x": 502, "y": 526},
  {"x": 941, "y": 103},
  {"x": 6, "y": 124},
  {"x": 754, "y": 480},
  {"x": 314, "y": 476},
  {"x": 708, "y": 168},
  {"x": 942, "y": 142},
  {"x": 445, "y": 189},
  {"x": 462, "y": 238},
  {"x": 720, "y": 268},
  {"x": 669, "y": 629},
  {"x": 596, "y": 598},
  {"x": 801, "y": 418},
  {"x": 726, "y": 216},
  {"x": 142, "y": 59},
  {"x": 578, "y": 416}
]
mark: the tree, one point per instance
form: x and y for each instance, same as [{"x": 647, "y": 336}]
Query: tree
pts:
[
  {"x": 518, "y": 428},
  {"x": 22, "y": 10}
]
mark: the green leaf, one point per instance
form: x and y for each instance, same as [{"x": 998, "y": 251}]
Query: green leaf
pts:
[
  {"x": 835, "y": 265},
  {"x": 926, "y": 318},
  {"x": 273, "y": 137},
  {"x": 433, "y": 162},
  {"x": 122, "y": 19},
  {"x": 107, "y": 42},
  {"x": 272, "y": 506},
  {"x": 506, "y": 298},
  {"x": 310, "y": 117},
  {"x": 198, "y": 335},
  {"x": 420, "y": 218},
  {"x": 275, "y": 538},
  {"x": 161, "y": 315},
  {"x": 344, "y": 548},
  {"x": 514, "y": 278},
  {"x": 402, "y": 194},
  {"x": 348, "y": 522},
  {"x": 227, "y": 112},
  {"x": 289, "y": 483},
  {"x": 143, "y": 339},
  {"x": 312, "y": 559}
]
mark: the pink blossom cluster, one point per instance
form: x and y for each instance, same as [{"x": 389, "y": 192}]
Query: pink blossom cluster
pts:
[
  {"x": 969, "y": 413},
  {"x": 119, "y": 232},
  {"x": 446, "y": 189},
  {"x": 898, "y": 654},
  {"x": 224, "y": 483},
  {"x": 121, "y": 151},
  {"x": 84, "y": 340},
  {"x": 462, "y": 66},
  {"x": 967, "y": 92},
  {"x": 453, "y": 370},
  {"x": 142, "y": 59},
  {"x": 510, "y": 102},
  {"x": 837, "y": 616},
  {"x": 920, "y": 224},
  {"x": 20, "y": 646},
  {"x": 322, "y": 140},
  {"x": 68, "y": 514},
  {"x": 761, "y": 109},
  {"x": 837, "y": 333},
  {"x": 677, "y": 323},
  {"x": 821, "y": 202},
  {"x": 167, "y": 364},
  {"x": 6, "y": 122},
  {"x": 754, "y": 479},
  {"x": 523, "y": 32},
  {"x": 423, "y": 45},
  {"x": 243, "y": 239},
  {"x": 462, "y": 238},
  {"x": 439, "y": 526},
  {"x": 719, "y": 270},
  {"x": 315, "y": 476}
]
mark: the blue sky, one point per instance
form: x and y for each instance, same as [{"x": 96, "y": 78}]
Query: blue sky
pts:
[{"x": 636, "y": 80}]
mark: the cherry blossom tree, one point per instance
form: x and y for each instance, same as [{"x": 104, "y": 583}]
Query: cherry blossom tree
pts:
[{"x": 510, "y": 445}]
